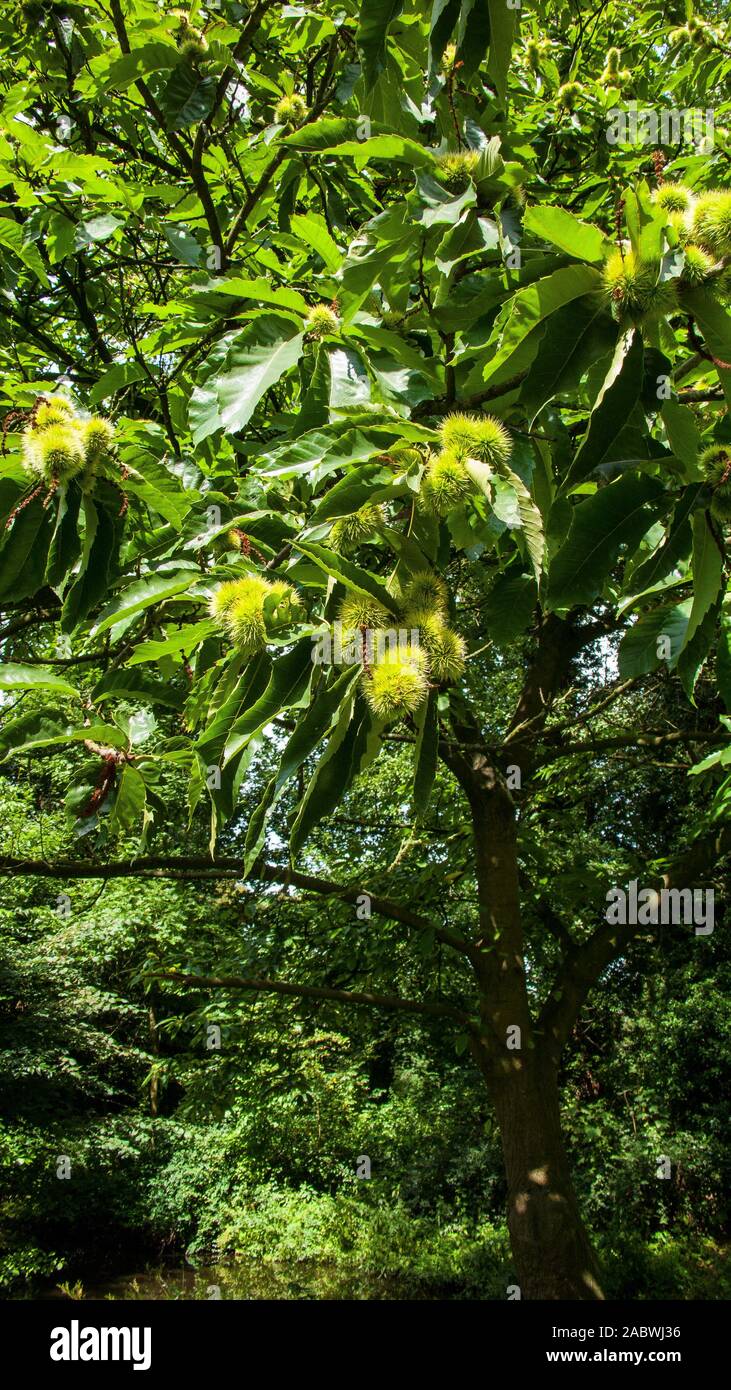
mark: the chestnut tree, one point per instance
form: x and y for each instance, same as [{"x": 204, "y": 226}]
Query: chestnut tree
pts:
[{"x": 364, "y": 366}]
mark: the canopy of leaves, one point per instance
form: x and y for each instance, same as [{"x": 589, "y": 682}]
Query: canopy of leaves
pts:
[
  {"x": 176, "y": 214},
  {"x": 329, "y": 304}
]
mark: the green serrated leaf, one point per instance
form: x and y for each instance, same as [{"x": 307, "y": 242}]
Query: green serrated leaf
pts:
[
  {"x": 619, "y": 394},
  {"x": 426, "y": 753},
  {"x": 707, "y": 573},
  {"x": 615, "y": 516},
  {"x": 372, "y": 33},
  {"x": 16, "y": 677},
  {"x": 562, "y": 229},
  {"x": 255, "y": 359},
  {"x": 290, "y": 675},
  {"x": 349, "y": 574},
  {"x": 154, "y": 588}
]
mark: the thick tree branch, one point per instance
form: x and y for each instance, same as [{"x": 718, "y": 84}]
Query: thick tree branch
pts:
[
  {"x": 86, "y": 314},
  {"x": 549, "y": 917},
  {"x": 173, "y": 140},
  {"x": 259, "y": 188},
  {"x": 281, "y": 154},
  {"x": 198, "y": 867},
  {"x": 441, "y": 405},
  {"x": 596, "y": 706},
  {"x": 692, "y": 397},
  {"x": 431, "y": 1008},
  {"x": 205, "y": 127},
  {"x": 584, "y": 964},
  {"x": 56, "y": 353},
  {"x": 557, "y": 644},
  {"x": 629, "y": 741},
  {"x": 20, "y": 625}
]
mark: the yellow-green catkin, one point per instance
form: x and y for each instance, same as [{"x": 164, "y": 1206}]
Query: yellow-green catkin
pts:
[
  {"x": 348, "y": 532},
  {"x": 290, "y": 111},
  {"x": 397, "y": 684},
  {"x": 633, "y": 291},
  {"x": 58, "y": 446},
  {"x": 456, "y": 170},
  {"x": 715, "y": 462},
  {"x": 711, "y": 225},
  {"x": 322, "y": 321}
]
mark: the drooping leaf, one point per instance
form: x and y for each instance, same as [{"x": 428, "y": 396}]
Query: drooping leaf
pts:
[
  {"x": 708, "y": 558},
  {"x": 426, "y": 753},
  {"x": 696, "y": 650},
  {"x": 335, "y": 771},
  {"x": 290, "y": 676},
  {"x": 315, "y": 407},
  {"x": 24, "y": 552},
  {"x": 256, "y": 358},
  {"x": 101, "y": 544},
  {"x": 714, "y": 321},
  {"x": 372, "y": 33},
  {"x": 531, "y": 521},
  {"x": 239, "y": 693},
  {"x": 682, "y": 431},
  {"x": 617, "y": 398},
  {"x": 17, "y": 677},
  {"x": 348, "y": 573},
  {"x": 443, "y": 18},
  {"x": 306, "y": 738},
  {"x": 617, "y": 515},
  {"x": 129, "y": 800},
  {"x": 473, "y": 36},
  {"x": 65, "y": 546},
  {"x": 723, "y": 660},
  {"x": 502, "y": 23}
]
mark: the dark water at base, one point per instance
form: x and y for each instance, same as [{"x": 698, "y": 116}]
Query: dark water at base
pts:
[{"x": 245, "y": 1280}]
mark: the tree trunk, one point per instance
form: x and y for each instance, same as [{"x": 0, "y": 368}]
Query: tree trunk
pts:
[{"x": 551, "y": 1248}]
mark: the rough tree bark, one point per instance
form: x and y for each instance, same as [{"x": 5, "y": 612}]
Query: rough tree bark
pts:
[
  {"x": 519, "y": 1060},
  {"x": 551, "y": 1248}
]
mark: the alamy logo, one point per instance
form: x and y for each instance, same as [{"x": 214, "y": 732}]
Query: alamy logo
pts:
[
  {"x": 666, "y": 906},
  {"x": 645, "y": 126},
  {"x": 361, "y": 646},
  {"x": 77, "y": 1343}
]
